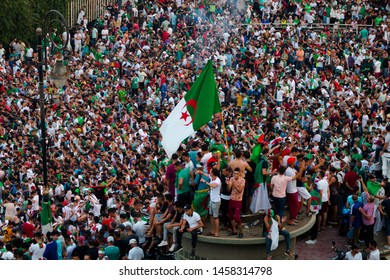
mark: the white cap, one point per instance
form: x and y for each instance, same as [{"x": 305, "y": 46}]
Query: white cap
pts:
[{"x": 110, "y": 239}]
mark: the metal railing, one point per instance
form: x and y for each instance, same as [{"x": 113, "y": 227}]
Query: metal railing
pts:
[
  {"x": 94, "y": 9},
  {"x": 315, "y": 26}
]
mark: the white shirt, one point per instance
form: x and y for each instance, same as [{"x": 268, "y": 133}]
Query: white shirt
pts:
[
  {"x": 374, "y": 255},
  {"x": 387, "y": 140},
  {"x": 323, "y": 185},
  {"x": 204, "y": 160},
  {"x": 292, "y": 185},
  {"x": 30, "y": 52},
  {"x": 35, "y": 202},
  {"x": 136, "y": 253},
  {"x": 193, "y": 220},
  {"x": 215, "y": 193},
  {"x": 358, "y": 256},
  {"x": 279, "y": 95},
  {"x": 8, "y": 256},
  {"x": 139, "y": 228},
  {"x": 37, "y": 252}
]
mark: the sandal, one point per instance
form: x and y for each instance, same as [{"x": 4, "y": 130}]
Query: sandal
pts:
[
  {"x": 209, "y": 233},
  {"x": 292, "y": 224},
  {"x": 288, "y": 253},
  {"x": 269, "y": 258}
]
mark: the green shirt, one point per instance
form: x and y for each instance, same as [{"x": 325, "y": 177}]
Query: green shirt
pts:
[
  {"x": 112, "y": 252},
  {"x": 378, "y": 21},
  {"x": 134, "y": 83},
  {"x": 358, "y": 157},
  {"x": 185, "y": 174},
  {"x": 364, "y": 33}
]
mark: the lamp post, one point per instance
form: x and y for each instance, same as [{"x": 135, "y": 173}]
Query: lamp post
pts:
[{"x": 58, "y": 75}]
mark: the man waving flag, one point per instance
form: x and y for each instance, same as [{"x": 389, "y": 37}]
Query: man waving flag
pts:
[{"x": 192, "y": 112}]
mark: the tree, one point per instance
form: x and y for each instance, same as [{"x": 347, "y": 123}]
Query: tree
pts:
[{"x": 20, "y": 18}]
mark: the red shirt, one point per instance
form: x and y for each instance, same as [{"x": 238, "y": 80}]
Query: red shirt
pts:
[
  {"x": 165, "y": 36},
  {"x": 28, "y": 229},
  {"x": 350, "y": 178},
  {"x": 108, "y": 221}
]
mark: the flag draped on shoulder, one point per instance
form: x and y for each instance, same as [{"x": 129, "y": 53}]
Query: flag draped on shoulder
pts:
[
  {"x": 373, "y": 187},
  {"x": 192, "y": 112}
]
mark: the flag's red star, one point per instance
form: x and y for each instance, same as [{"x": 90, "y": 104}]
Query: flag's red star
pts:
[{"x": 184, "y": 116}]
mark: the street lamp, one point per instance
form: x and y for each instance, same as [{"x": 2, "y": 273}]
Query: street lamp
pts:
[{"x": 58, "y": 75}]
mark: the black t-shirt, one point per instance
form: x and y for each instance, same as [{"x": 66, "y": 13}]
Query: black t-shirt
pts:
[
  {"x": 178, "y": 217},
  {"x": 122, "y": 247},
  {"x": 386, "y": 206},
  {"x": 80, "y": 251},
  {"x": 224, "y": 186},
  {"x": 93, "y": 252},
  {"x": 250, "y": 176},
  {"x": 163, "y": 208},
  {"x": 385, "y": 63}
]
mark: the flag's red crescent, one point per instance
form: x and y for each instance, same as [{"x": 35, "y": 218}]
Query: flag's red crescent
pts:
[{"x": 192, "y": 103}]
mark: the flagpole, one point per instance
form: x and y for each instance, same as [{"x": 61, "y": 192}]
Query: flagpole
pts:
[{"x": 224, "y": 134}]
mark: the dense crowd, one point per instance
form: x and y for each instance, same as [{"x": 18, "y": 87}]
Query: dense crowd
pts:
[{"x": 304, "y": 91}]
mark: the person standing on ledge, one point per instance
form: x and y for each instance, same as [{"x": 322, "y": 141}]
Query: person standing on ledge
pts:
[{"x": 236, "y": 185}]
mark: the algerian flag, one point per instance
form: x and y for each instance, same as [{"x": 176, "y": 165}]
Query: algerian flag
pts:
[
  {"x": 274, "y": 234},
  {"x": 373, "y": 187},
  {"x": 46, "y": 216},
  {"x": 192, "y": 112}
]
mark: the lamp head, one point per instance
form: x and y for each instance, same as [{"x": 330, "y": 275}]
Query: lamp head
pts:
[{"x": 59, "y": 74}]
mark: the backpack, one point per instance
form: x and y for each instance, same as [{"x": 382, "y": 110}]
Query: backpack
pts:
[{"x": 340, "y": 177}]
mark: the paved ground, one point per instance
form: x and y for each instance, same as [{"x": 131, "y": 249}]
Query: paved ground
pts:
[{"x": 322, "y": 250}]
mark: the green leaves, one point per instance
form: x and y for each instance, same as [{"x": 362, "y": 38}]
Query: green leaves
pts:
[{"x": 20, "y": 18}]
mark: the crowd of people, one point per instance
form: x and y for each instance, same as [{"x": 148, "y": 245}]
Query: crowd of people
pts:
[{"x": 304, "y": 91}]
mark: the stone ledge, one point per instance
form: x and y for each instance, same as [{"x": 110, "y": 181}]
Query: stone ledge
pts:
[{"x": 294, "y": 232}]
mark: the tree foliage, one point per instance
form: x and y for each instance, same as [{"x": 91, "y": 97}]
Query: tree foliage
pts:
[{"x": 20, "y": 18}]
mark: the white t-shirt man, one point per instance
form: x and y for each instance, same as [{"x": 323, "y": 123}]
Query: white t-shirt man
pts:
[
  {"x": 292, "y": 185},
  {"x": 387, "y": 140},
  {"x": 374, "y": 255},
  {"x": 193, "y": 220},
  {"x": 323, "y": 186},
  {"x": 139, "y": 229},
  {"x": 357, "y": 257},
  {"x": 279, "y": 95},
  {"x": 30, "y": 52},
  {"x": 136, "y": 253},
  {"x": 37, "y": 250},
  {"x": 215, "y": 193},
  {"x": 8, "y": 256}
]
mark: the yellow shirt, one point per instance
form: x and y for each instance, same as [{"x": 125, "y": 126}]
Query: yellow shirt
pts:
[
  {"x": 7, "y": 234},
  {"x": 239, "y": 100}
]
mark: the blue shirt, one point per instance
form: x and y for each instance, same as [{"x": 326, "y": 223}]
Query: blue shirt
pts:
[
  {"x": 357, "y": 221},
  {"x": 201, "y": 185},
  {"x": 51, "y": 251}
]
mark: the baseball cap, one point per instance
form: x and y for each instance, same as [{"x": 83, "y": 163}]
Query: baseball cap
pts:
[
  {"x": 187, "y": 207},
  {"x": 291, "y": 160},
  {"x": 110, "y": 239},
  {"x": 132, "y": 241},
  {"x": 81, "y": 239}
]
